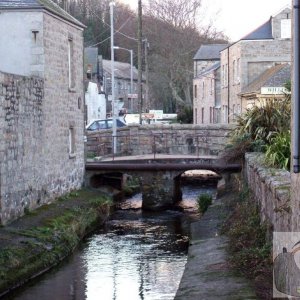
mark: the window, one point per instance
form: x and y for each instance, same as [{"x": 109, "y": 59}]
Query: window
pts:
[
  {"x": 71, "y": 63},
  {"x": 226, "y": 74},
  {"x": 225, "y": 113},
  {"x": 238, "y": 70},
  {"x": 286, "y": 28},
  {"x": 196, "y": 117},
  {"x": 203, "y": 90},
  {"x": 234, "y": 71},
  {"x": 202, "y": 115},
  {"x": 195, "y": 91},
  {"x": 71, "y": 142},
  {"x": 223, "y": 75}
]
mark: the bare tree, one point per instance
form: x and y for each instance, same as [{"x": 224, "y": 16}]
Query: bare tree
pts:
[{"x": 172, "y": 27}]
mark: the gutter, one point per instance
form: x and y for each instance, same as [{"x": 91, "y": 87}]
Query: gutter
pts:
[{"x": 295, "y": 90}]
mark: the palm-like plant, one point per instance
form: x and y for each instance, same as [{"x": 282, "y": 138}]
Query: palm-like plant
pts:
[{"x": 261, "y": 122}]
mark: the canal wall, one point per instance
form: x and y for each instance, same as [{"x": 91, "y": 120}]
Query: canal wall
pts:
[
  {"x": 271, "y": 188},
  {"x": 38, "y": 241},
  {"x": 168, "y": 139}
]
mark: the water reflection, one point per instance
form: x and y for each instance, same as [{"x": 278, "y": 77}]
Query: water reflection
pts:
[{"x": 137, "y": 256}]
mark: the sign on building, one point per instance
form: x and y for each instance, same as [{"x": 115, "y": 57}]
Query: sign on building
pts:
[{"x": 273, "y": 90}]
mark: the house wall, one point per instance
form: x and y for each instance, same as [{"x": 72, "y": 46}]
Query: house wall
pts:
[
  {"x": 64, "y": 107},
  {"x": 41, "y": 120},
  {"x": 255, "y": 58},
  {"x": 21, "y": 51},
  {"x": 22, "y": 170},
  {"x": 206, "y": 98},
  {"x": 95, "y": 102}
]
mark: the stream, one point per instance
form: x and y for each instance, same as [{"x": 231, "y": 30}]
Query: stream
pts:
[{"x": 136, "y": 256}]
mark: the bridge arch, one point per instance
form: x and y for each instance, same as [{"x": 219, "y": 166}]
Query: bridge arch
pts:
[{"x": 159, "y": 180}]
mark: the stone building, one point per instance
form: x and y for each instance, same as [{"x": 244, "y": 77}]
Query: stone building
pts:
[
  {"x": 206, "y": 84},
  {"x": 271, "y": 84},
  {"x": 41, "y": 105},
  {"x": 127, "y": 99},
  {"x": 243, "y": 61}
]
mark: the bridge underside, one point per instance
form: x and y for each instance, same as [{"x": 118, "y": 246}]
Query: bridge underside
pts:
[{"x": 160, "y": 182}]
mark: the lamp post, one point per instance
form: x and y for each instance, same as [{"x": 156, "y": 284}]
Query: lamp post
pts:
[
  {"x": 131, "y": 66},
  {"x": 113, "y": 100}
]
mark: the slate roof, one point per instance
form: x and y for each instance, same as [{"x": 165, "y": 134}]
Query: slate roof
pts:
[
  {"x": 210, "y": 52},
  {"x": 210, "y": 69},
  {"x": 38, "y": 4},
  {"x": 122, "y": 70},
  {"x": 276, "y": 76},
  {"x": 261, "y": 33}
]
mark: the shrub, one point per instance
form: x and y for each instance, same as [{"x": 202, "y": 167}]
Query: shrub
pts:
[
  {"x": 260, "y": 122},
  {"x": 204, "y": 201},
  {"x": 278, "y": 152},
  {"x": 257, "y": 126}
]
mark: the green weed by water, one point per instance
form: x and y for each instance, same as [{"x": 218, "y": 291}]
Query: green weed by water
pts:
[{"x": 204, "y": 201}]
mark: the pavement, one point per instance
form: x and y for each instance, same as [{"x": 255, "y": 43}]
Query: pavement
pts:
[{"x": 207, "y": 274}]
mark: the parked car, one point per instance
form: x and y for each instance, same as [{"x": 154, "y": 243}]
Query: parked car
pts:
[{"x": 103, "y": 124}]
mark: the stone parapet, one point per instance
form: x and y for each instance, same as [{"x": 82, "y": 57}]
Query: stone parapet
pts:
[
  {"x": 168, "y": 139},
  {"x": 271, "y": 188}
]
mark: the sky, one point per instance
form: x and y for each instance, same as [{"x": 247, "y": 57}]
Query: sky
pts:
[{"x": 236, "y": 18}]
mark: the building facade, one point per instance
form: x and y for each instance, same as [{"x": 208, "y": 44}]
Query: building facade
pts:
[
  {"x": 206, "y": 84},
  {"x": 244, "y": 61},
  {"x": 270, "y": 85},
  {"x": 124, "y": 93},
  {"x": 41, "y": 105}
]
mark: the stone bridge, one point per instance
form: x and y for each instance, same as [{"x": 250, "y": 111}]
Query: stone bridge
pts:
[
  {"x": 158, "y": 155},
  {"x": 171, "y": 139}
]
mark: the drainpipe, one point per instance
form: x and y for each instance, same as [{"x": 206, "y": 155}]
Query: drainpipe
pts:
[
  {"x": 295, "y": 89},
  {"x": 228, "y": 85}
]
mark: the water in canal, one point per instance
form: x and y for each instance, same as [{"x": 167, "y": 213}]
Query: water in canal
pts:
[{"x": 137, "y": 256}]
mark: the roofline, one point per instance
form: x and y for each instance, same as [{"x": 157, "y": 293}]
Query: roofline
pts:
[
  {"x": 50, "y": 11},
  {"x": 280, "y": 10},
  {"x": 204, "y": 59},
  {"x": 247, "y": 40}
]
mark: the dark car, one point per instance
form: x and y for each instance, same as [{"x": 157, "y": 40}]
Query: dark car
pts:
[{"x": 103, "y": 124}]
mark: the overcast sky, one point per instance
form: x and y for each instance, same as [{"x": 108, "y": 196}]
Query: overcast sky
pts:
[{"x": 236, "y": 18}]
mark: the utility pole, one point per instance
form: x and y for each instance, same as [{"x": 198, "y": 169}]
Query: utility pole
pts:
[
  {"x": 140, "y": 41},
  {"x": 147, "y": 102},
  {"x": 113, "y": 100}
]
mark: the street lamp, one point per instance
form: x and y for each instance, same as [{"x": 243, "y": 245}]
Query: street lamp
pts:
[
  {"x": 131, "y": 66},
  {"x": 114, "y": 104}
]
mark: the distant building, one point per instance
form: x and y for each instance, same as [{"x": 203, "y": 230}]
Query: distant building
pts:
[
  {"x": 127, "y": 99},
  {"x": 269, "y": 85},
  {"x": 206, "y": 84},
  {"x": 41, "y": 105},
  {"x": 245, "y": 60}
]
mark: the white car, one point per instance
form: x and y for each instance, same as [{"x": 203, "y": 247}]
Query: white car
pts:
[{"x": 103, "y": 124}]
